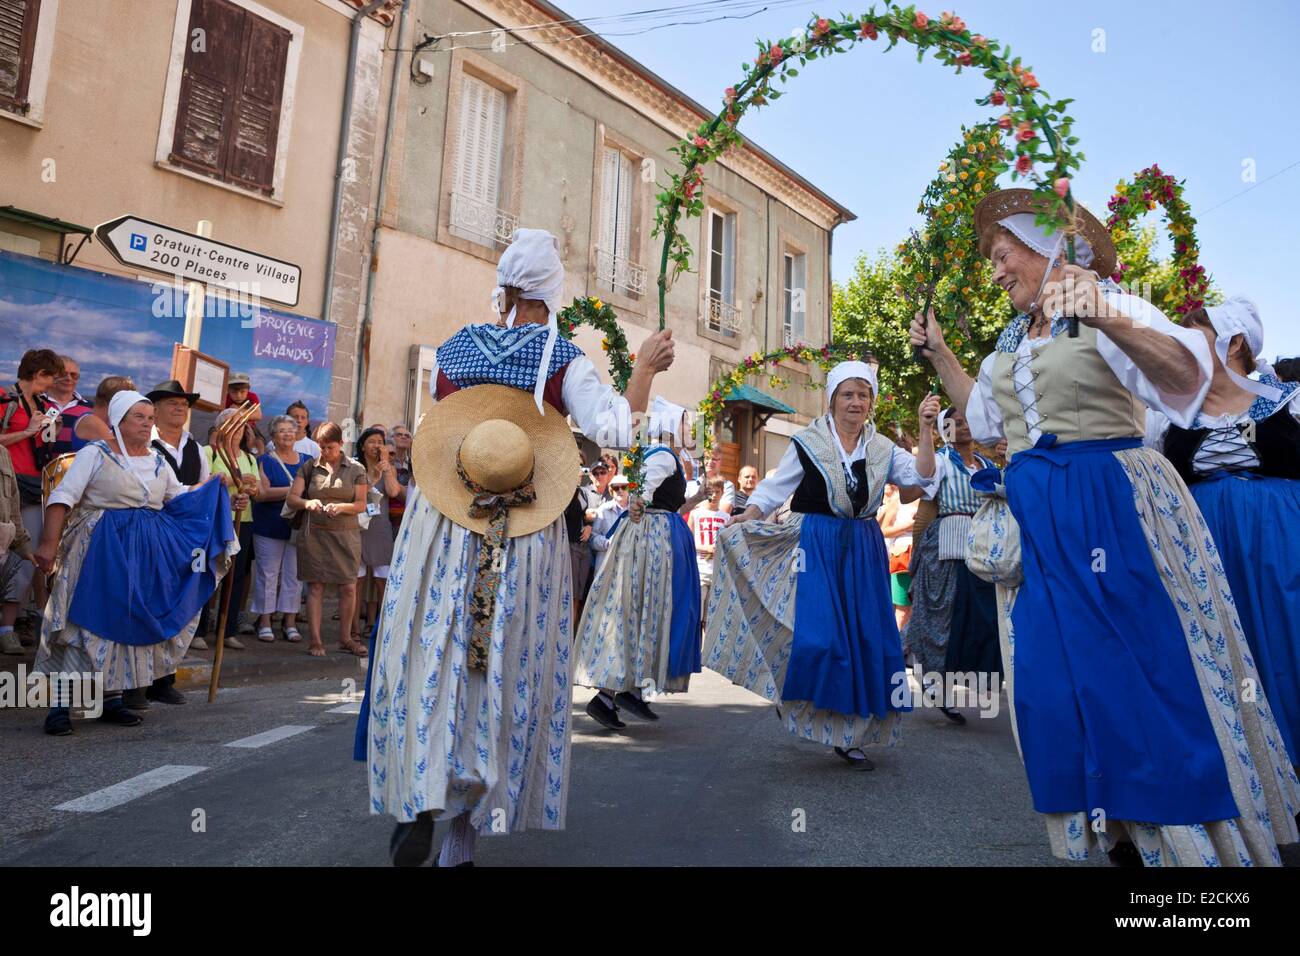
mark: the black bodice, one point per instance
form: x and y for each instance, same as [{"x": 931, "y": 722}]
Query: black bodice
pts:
[
  {"x": 813, "y": 497},
  {"x": 1277, "y": 443}
]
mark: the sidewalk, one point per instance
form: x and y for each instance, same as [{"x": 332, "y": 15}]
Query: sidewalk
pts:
[{"x": 259, "y": 662}]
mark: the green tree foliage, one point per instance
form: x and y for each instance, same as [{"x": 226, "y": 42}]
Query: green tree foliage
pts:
[{"x": 869, "y": 308}]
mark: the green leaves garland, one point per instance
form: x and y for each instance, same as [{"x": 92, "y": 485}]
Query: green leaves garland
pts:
[
  {"x": 588, "y": 310},
  {"x": 949, "y": 246},
  {"x": 1040, "y": 129},
  {"x": 1151, "y": 188}
]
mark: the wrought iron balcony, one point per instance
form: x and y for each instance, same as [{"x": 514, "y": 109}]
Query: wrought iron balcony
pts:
[
  {"x": 721, "y": 317},
  {"x": 476, "y": 220},
  {"x": 619, "y": 273}
]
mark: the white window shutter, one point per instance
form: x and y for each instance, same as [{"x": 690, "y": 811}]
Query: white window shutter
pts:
[
  {"x": 482, "y": 136},
  {"x": 609, "y": 200},
  {"x": 729, "y": 258},
  {"x": 801, "y": 283},
  {"x": 787, "y": 313},
  {"x": 623, "y": 225}
]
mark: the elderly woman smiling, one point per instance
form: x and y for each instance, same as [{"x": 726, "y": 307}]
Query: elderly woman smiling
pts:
[
  {"x": 800, "y": 612},
  {"x": 127, "y": 592},
  {"x": 1127, "y": 683}
]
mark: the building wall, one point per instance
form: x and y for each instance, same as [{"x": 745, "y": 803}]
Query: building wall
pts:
[
  {"x": 429, "y": 283},
  {"x": 94, "y": 156}
]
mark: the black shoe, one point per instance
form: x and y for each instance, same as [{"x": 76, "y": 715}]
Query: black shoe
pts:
[
  {"x": 121, "y": 716},
  {"x": 954, "y": 716},
  {"x": 1125, "y": 854},
  {"x": 162, "y": 691},
  {"x": 636, "y": 705},
  {"x": 857, "y": 763},
  {"x": 458, "y": 866},
  {"x": 135, "y": 699},
  {"x": 603, "y": 714},
  {"x": 412, "y": 842},
  {"x": 58, "y": 722}
]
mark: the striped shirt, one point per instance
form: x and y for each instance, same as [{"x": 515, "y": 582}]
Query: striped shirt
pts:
[{"x": 957, "y": 501}]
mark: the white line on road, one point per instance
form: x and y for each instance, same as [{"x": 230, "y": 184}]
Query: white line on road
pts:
[
  {"x": 269, "y": 737},
  {"x": 128, "y": 790},
  {"x": 352, "y": 708}
]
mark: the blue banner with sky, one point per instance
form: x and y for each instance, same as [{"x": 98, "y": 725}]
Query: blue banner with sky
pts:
[{"x": 117, "y": 326}]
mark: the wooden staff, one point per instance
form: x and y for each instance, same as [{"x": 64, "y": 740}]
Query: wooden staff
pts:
[{"x": 229, "y": 431}]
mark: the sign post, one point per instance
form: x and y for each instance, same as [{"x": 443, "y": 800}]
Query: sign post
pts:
[{"x": 196, "y": 257}]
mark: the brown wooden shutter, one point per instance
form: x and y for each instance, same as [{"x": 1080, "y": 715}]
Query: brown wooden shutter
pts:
[
  {"x": 251, "y": 158},
  {"x": 17, "y": 41},
  {"x": 204, "y": 114}
]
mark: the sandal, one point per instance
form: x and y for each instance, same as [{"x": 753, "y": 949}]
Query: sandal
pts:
[
  {"x": 316, "y": 649},
  {"x": 266, "y": 635},
  {"x": 857, "y": 763},
  {"x": 354, "y": 647},
  {"x": 292, "y": 635}
]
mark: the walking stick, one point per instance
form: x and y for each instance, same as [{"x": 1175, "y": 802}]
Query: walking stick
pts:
[{"x": 234, "y": 425}]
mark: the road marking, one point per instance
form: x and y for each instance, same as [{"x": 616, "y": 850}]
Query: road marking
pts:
[
  {"x": 269, "y": 737},
  {"x": 352, "y": 708},
  {"x": 128, "y": 790}
]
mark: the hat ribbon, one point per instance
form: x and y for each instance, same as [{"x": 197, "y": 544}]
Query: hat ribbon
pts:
[{"x": 495, "y": 506}]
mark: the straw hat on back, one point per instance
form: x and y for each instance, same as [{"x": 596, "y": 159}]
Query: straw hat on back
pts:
[{"x": 489, "y": 444}]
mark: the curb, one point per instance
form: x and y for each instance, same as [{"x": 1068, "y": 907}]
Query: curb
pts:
[{"x": 196, "y": 672}]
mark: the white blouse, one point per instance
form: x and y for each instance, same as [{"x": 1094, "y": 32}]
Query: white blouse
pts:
[
  {"x": 985, "y": 418},
  {"x": 596, "y": 408},
  {"x": 162, "y": 483},
  {"x": 1225, "y": 447},
  {"x": 771, "y": 492},
  {"x": 205, "y": 466}
]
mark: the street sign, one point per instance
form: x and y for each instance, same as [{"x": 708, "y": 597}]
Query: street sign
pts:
[{"x": 142, "y": 244}]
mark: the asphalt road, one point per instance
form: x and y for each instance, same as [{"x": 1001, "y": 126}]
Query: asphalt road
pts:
[{"x": 716, "y": 781}]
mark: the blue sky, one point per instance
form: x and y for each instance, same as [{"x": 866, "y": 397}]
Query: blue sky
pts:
[{"x": 1197, "y": 87}]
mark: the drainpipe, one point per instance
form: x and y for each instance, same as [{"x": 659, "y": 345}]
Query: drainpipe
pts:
[
  {"x": 363, "y": 341},
  {"x": 344, "y": 129}
]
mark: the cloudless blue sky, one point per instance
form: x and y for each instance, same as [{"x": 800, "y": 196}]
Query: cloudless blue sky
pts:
[{"x": 1195, "y": 86}]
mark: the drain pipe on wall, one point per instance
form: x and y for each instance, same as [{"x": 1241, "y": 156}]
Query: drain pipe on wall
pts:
[
  {"x": 344, "y": 129},
  {"x": 363, "y": 341}
]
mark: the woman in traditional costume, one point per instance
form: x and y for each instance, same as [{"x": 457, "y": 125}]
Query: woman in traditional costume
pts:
[
  {"x": 1241, "y": 458},
  {"x": 467, "y": 713},
  {"x": 1128, "y": 700},
  {"x": 138, "y": 558},
  {"x": 800, "y": 612},
  {"x": 954, "y": 624},
  {"x": 640, "y": 629}
]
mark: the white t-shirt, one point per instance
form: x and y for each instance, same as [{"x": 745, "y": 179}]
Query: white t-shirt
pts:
[
  {"x": 706, "y": 523},
  {"x": 306, "y": 446}
]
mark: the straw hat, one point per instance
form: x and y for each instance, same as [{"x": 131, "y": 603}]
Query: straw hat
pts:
[
  {"x": 500, "y": 438},
  {"x": 995, "y": 207}
]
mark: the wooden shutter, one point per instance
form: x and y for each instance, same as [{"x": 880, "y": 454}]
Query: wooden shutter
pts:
[
  {"x": 208, "y": 87},
  {"x": 482, "y": 136},
  {"x": 256, "y": 110},
  {"x": 17, "y": 41},
  {"x": 228, "y": 115},
  {"x": 623, "y": 211},
  {"x": 787, "y": 319}
]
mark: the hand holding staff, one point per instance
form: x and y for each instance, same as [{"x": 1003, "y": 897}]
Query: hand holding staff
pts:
[{"x": 226, "y": 443}]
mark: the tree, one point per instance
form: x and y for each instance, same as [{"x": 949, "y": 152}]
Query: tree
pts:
[{"x": 870, "y": 308}]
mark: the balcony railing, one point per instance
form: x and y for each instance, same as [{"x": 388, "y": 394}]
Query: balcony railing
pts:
[
  {"x": 476, "y": 220},
  {"x": 721, "y": 317},
  {"x": 619, "y": 274}
]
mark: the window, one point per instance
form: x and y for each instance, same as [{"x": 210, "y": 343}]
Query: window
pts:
[
  {"x": 722, "y": 315},
  {"x": 616, "y": 246},
  {"x": 476, "y": 197},
  {"x": 231, "y": 92},
  {"x": 18, "y": 19},
  {"x": 795, "y": 310}
]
